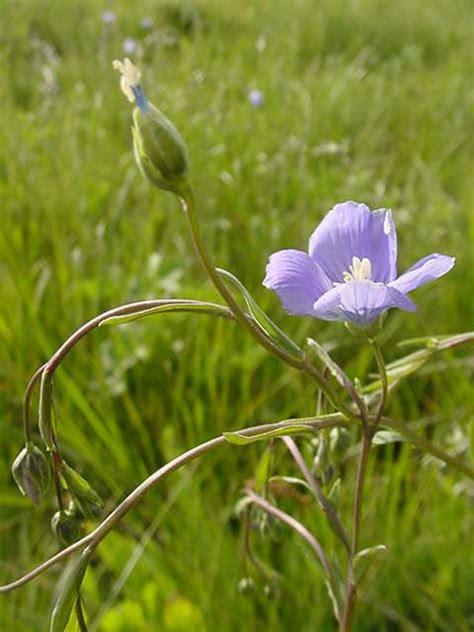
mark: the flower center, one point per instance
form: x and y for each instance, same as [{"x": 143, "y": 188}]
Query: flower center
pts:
[{"x": 360, "y": 270}]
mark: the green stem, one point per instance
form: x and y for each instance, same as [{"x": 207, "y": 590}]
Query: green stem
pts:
[
  {"x": 189, "y": 208},
  {"x": 58, "y": 356},
  {"x": 351, "y": 588},
  {"x": 383, "y": 380},
  {"x": 94, "y": 537}
]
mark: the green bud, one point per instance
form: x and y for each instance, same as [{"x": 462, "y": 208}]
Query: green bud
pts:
[
  {"x": 87, "y": 499},
  {"x": 66, "y": 526},
  {"x": 32, "y": 473},
  {"x": 159, "y": 149}
]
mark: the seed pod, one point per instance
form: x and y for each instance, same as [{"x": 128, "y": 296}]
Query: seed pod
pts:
[{"x": 31, "y": 472}]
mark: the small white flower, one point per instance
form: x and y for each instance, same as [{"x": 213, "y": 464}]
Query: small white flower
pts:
[{"x": 130, "y": 78}]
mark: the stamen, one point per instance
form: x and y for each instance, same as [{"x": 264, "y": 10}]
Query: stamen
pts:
[{"x": 359, "y": 270}]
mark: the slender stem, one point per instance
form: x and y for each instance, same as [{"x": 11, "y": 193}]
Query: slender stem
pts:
[
  {"x": 383, "y": 380},
  {"x": 351, "y": 588},
  {"x": 324, "y": 503},
  {"x": 81, "y": 620},
  {"x": 27, "y": 400},
  {"x": 93, "y": 538},
  {"x": 301, "y": 530},
  {"x": 189, "y": 208},
  {"x": 86, "y": 328}
]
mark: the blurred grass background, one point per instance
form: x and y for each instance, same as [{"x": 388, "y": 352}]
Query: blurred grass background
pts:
[{"x": 367, "y": 100}]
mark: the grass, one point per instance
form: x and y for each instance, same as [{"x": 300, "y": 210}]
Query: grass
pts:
[{"x": 366, "y": 100}]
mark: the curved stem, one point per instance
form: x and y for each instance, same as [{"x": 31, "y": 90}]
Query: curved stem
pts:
[
  {"x": 189, "y": 208},
  {"x": 57, "y": 357},
  {"x": 324, "y": 503},
  {"x": 93, "y": 538}
]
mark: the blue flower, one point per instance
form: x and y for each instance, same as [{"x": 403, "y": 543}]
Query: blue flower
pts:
[
  {"x": 108, "y": 17},
  {"x": 129, "y": 45},
  {"x": 146, "y": 23},
  {"x": 256, "y": 98},
  {"x": 350, "y": 273}
]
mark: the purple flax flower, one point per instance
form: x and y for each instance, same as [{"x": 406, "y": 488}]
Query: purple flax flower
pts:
[{"x": 350, "y": 273}]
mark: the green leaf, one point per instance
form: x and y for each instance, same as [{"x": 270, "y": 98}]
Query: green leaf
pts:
[
  {"x": 202, "y": 307},
  {"x": 68, "y": 592},
  {"x": 387, "y": 436},
  {"x": 410, "y": 363},
  {"x": 262, "y": 319},
  {"x": 333, "y": 367},
  {"x": 262, "y": 471},
  {"x": 238, "y": 438}
]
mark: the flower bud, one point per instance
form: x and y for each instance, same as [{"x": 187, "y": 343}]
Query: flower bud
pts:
[
  {"x": 160, "y": 151},
  {"x": 66, "y": 526},
  {"x": 31, "y": 472},
  {"x": 159, "y": 148},
  {"x": 87, "y": 499}
]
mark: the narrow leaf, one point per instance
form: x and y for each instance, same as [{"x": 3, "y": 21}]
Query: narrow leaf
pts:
[
  {"x": 238, "y": 438},
  {"x": 333, "y": 367},
  {"x": 387, "y": 436},
  {"x": 261, "y": 318},
  {"x": 201, "y": 307}
]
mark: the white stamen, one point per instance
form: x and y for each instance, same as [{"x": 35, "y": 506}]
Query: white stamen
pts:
[
  {"x": 130, "y": 77},
  {"x": 360, "y": 270},
  {"x": 387, "y": 226}
]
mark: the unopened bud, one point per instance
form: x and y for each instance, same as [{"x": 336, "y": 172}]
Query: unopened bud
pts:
[
  {"x": 87, "y": 499},
  {"x": 159, "y": 148},
  {"x": 66, "y": 526},
  {"x": 31, "y": 472}
]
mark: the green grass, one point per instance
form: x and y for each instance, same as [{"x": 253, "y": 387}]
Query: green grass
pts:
[{"x": 367, "y": 100}]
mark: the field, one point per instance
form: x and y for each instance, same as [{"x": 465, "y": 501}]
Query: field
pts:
[{"x": 367, "y": 100}]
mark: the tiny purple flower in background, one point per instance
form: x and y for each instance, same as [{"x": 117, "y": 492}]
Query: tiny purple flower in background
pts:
[
  {"x": 129, "y": 45},
  {"x": 108, "y": 17},
  {"x": 256, "y": 98},
  {"x": 146, "y": 23},
  {"x": 350, "y": 273}
]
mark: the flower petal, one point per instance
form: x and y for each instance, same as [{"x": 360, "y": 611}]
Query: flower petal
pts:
[
  {"x": 425, "y": 270},
  {"x": 360, "y": 302},
  {"x": 352, "y": 230},
  {"x": 297, "y": 280}
]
